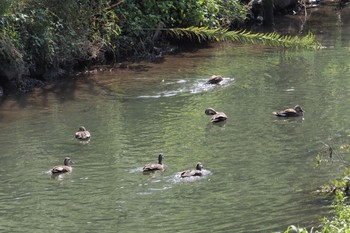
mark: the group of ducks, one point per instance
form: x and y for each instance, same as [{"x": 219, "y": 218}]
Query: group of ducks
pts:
[
  {"x": 218, "y": 117},
  {"x": 289, "y": 112},
  {"x": 83, "y": 135},
  {"x": 221, "y": 116},
  {"x": 150, "y": 167}
]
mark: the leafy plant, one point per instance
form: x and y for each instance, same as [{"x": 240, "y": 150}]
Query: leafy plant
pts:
[
  {"x": 339, "y": 223},
  {"x": 296, "y": 229},
  {"x": 269, "y": 39}
]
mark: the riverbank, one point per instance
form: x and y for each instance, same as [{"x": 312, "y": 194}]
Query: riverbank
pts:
[{"x": 43, "y": 41}]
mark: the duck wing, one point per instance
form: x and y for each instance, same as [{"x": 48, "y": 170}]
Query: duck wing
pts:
[
  {"x": 286, "y": 113},
  {"x": 60, "y": 169},
  {"x": 219, "y": 117},
  {"x": 214, "y": 80},
  {"x": 83, "y": 135},
  {"x": 153, "y": 167},
  {"x": 190, "y": 173}
]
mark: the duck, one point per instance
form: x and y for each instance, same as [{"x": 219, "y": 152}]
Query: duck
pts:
[
  {"x": 155, "y": 166},
  {"x": 82, "y": 134},
  {"x": 66, "y": 168},
  {"x": 197, "y": 172},
  {"x": 214, "y": 79},
  {"x": 290, "y": 112},
  {"x": 216, "y": 116}
]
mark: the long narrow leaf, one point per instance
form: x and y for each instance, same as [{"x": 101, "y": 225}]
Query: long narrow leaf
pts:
[{"x": 269, "y": 39}]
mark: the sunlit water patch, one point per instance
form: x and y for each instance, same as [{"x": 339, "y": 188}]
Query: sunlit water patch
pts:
[
  {"x": 136, "y": 170},
  {"x": 290, "y": 89},
  {"x": 186, "y": 87}
]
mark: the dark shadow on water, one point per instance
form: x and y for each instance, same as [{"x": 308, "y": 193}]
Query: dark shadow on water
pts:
[
  {"x": 290, "y": 119},
  {"x": 216, "y": 125},
  {"x": 152, "y": 174},
  {"x": 139, "y": 68},
  {"x": 60, "y": 176}
]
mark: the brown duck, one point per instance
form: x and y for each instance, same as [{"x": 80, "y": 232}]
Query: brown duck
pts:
[
  {"x": 216, "y": 116},
  {"x": 82, "y": 134},
  {"x": 290, "y": 112},
  {"x": 214, "y": 79},
  {"x": 67, "y": 167},
  {"x": 155, "y": 166},
  {"x": 197, "y": 172}
]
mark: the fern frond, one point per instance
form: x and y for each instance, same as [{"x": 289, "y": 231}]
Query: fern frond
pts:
[{"x": 269, "y": 39}]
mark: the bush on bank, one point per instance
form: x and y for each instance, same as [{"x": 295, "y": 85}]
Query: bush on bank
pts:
[
  {"x": 340, "y": 221},
  {"x": 42, "y": 38}
]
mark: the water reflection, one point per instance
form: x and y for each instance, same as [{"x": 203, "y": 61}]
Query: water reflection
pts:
[
  {"x": 290, "y": 119},
  {"x": 59, "y": 176},
  {"x": 216, "y": 126}
]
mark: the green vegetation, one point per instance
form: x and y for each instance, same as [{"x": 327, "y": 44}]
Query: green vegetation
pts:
[
  {"x": 339, "y": 223},
  {"x": 339, "y": 190},
  {"x": 43, "y": 38},
  {"x": 269, "y": 39}
]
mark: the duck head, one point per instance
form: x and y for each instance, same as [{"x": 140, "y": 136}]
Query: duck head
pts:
[
  {"x": 81, "y": 128},
  {"x": 199, "y": 166},
  {"x": 210, "y": 111},
  {"x": 67, "y": 161},
  {"x": 160, "y": 158},
  {"x": 298, "y": 109}
]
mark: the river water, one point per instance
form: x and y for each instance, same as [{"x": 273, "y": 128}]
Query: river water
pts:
[{"x": 260, "y": 172}]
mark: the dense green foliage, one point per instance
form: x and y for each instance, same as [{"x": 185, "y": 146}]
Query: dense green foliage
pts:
[
  {"x": 140, "y": 20},
  {"x": 339, "y": 190},
  {"x": 49, "y": 33},
  {"x": 38, "y": 35},
  {"x": 339, "y": 223},
  {"x": 41, "y": 36}
]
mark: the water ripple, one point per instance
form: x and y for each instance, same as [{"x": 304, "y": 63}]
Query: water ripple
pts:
[{"x": 182, "y": 86}]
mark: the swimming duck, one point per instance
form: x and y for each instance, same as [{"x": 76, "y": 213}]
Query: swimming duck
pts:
[
  {"x": 216, "y": 116},
  {"x": 82, "y": 134},
  {"x": 197, "y": 172},
  {"x": 290, "y": 112},
  {"x": 214, "y": 79},
  {"x": 67, "y": 167},
  {"x": 155, "y": 166}
]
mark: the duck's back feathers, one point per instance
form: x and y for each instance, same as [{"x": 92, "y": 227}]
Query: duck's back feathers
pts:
[
  {"x": 285, "y": 113},
  {"x": 66, "y": 167},
  {"x": 155, "y": 166},
  {"x": 82, "y": 134},
  {"x": 290, "y": 112},
  {"x": 61, "y": 169},
  {"x": 190, "y": 173},
  {"x": 214, "y": 79},
  {"x": 197, "y": 172},
  {"x": 216, "y": 116},
  {"x": 220, "y": 116}
]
